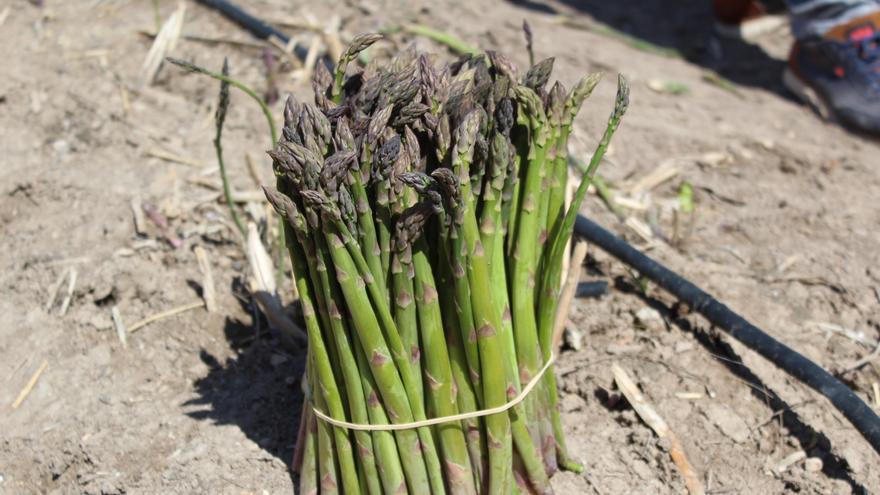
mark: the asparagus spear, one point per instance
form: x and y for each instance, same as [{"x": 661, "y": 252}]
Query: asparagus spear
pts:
[
  {"x": 550, "y": 290},
  {"x": 387, "y": 456},
  {"x": 358, "y": 44},
  {"x": 487, "y": 320},
  {"x": 308, "y": 473},
  {"x": 324, "y": 380},
  {"x": 465, "y": 395},
  {"x": 348, "y": 260},
  {"x": 354, "y": 390},
  {"x": 438, "y": 374},
  {"x": 383, "y": 368},
  {"x": 525, "y": 254},
  {"x": 328, "y": 477},
  {"x": 365, "y": 227}
]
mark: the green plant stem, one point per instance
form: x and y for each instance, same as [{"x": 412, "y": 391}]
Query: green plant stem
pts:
[
  {"x": 559, "y": 181},
  {"x": 357, "y": 408},
  {"x": 438, "y": 374},
  {"x": 383, "y": 231},
  {"x": 487, "y": 321},
  {"x": 329, "y": 480},
  {"x": 308, "y": 473},
  {"x": 511, "y": 210},
  {"x": 339, "y": 233},
  {"x": 455, "y": 44},
  {"x": 367, "y": 229},
  {"x": 219, "y": 119},
  {"x": 385, "y": 448},
  {"x": 465, "y": 395},
  {"x": 273, "y": 132},
  {"x": 492, "y": 236},
  {"x": 227, "y": 192},
  {"x": 405, "y": 316},
  {"x": 236, "y": 84},
  {"x": 458, "y": 261},
  {"x": 386, "y": 370},
  {"x": 549, "y": 284},
  {"x": 525, "y": 259},
  {"x": 547, "y": 177},
  {"x": 550, "y": 281},
  {"x": 328, "y": 397}
]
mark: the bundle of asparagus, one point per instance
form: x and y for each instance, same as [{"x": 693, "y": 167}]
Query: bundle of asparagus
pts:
[{"x": 427, "y": 229}]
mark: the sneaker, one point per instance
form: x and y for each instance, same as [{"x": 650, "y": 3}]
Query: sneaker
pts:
[
  {"x": 839, "y": 73},
  {"x": 748, "y": 19}
]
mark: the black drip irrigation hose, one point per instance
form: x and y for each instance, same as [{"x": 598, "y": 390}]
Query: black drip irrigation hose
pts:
[
  {"x": 845, "y": 400},
  {"x": 252, "y": 24},
  {"x": 596, "y": 288}
]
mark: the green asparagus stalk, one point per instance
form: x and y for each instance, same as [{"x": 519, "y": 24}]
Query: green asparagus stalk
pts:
[
  {"x": 525, "y": 259},
  {"x": 388, "y": 460},
  {"x": 329, "y": 479},
  {"x": 383, "y": 368},
  {"x": 465, "y": 394},
  {"x": 366, "y": 228},
  {"x": 308, "y": 472},
  {"x": 438, "y": 374},
  {"x": 351, "y": 257},
  {"x": 550, "y": 289},
  {"x": 405, "y": 316},
  {"x": 358, "y": 44},
  {"x": 354, "y": 390},
  {"x": 326, "y": 392},
  {"x": 487, "y": 321}
]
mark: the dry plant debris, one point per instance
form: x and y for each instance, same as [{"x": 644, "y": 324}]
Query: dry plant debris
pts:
[{"x": 653, "y": 419}]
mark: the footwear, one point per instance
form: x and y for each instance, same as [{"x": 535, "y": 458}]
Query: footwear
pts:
[
  {"x": 839, "y": 73},
  {"x": 747, "y": 19}
]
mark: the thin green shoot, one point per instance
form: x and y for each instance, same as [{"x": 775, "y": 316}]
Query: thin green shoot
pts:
[
  {"x": 273, "y": 132},
  {"x": 454, "y": 43},
  {"x": 219, "y": 119}
]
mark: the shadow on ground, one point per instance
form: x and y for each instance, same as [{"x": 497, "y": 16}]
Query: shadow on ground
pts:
[
  {"x": 681, "y": 29},
  {"x": 812, "y": 441},
  {"x": 257, "y": 390}
]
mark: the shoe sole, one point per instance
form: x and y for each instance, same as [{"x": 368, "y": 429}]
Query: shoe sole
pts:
[
  {"x": 751, "y": 30},
  {"x": 812, "y": 98},
  {"x": 807, "y": 94}
]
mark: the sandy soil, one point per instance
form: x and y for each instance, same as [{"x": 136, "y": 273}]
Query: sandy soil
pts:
[{"x": 784, "y": 231}]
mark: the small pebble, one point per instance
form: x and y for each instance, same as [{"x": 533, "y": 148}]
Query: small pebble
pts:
[
  {"x": 664, "y": 444},
  {"x": 573, "y": 338},
  {"x": 100, "y": 322},
  {"x": 767, "y": 144},
  {"x": 61, "y": 146},
  {"x": 650, "y": 319},
  {"x": 713, "y": 159},
  {"x": 683, "y": 346},
  {"x": 813, "y": 465}
]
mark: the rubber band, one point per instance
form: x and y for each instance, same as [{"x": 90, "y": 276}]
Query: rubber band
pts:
[{"x": 443, "y": 419}]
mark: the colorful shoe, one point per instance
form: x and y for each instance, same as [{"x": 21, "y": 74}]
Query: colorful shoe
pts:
[
  {"x": 839, "y": 73},
  {"x": 747, "y": 19}
]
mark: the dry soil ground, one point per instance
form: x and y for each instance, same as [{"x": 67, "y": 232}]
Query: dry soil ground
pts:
[{"x": 785, "y": 231}]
